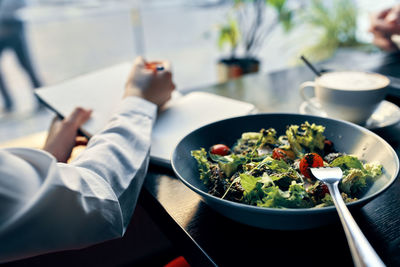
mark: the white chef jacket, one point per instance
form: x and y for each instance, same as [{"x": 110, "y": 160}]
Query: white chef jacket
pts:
[{"x": 48, "y": 206}]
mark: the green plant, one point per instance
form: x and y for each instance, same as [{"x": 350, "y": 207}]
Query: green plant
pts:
[
  {"x": 246, "y": 26},
  {"x": 337, "y": 21}
]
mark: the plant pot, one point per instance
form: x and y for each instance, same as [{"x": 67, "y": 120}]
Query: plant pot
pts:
[{"x": 235, "y": 67}]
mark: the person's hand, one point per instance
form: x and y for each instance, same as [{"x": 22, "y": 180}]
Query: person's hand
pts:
[
  {"x": 149, "y": 83},
  {"x": 63, "y": 134},
  {"x": 384, "y": 24}
]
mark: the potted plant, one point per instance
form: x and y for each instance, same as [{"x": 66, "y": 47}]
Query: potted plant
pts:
[{"x": 244, "y": 32}]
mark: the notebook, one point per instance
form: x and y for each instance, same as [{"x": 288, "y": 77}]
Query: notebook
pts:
[{"x": 102, "y": 90}]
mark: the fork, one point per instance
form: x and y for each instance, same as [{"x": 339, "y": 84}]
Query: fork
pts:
[{"x": 361, "y": 250}]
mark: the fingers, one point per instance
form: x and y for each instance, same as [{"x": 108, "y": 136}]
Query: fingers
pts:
[
  {"x": 78, "y": 117},
  {"x": 165, "y": 73},
  {"x": 81, "y": 141},
  {"x": 139, "y": 61},
  {"x": 384, "y": 25},
  {"x": 385, "y": 28},
  {"x": 394, "y": 15},
  {"x": 167, "y": 65},
  {"x": 139, "y": 65},
  {"x": 150, "y": 82},
  {"x": 54, "y": 120},
  {"x": 385, "y": 43},
  {"x": 386, "y": 22},
  {"x": 167, "y": 76},
  {"x": 382, "y": 14}
]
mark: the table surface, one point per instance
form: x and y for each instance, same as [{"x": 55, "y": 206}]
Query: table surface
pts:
[{"x": 206, "y": 238}]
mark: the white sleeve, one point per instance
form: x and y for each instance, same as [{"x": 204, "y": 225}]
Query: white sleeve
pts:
[{"x": 48, "y": 206}]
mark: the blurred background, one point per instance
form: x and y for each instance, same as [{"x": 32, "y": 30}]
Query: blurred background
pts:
[
  {"x": 55, "y": 40},
  {"x": 45, "y": 42}
]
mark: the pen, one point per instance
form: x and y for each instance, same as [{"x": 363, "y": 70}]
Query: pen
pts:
[{"x": 155, "y": 66}]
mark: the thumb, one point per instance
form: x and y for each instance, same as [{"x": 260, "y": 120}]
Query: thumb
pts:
[
  {"x": 382, "y": 14},
  {"x": 386, "y": 28},
  {"x": 78, "y": 117},
  {"x": 139, "y": 61},
  {"x": 167, "y": 65},
  {"x": 394, "y": 15}
]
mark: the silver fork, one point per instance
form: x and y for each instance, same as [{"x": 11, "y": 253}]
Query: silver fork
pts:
[{"x": 361, "y": 250}]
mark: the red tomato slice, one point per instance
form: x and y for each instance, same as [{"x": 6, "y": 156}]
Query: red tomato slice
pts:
[
  {"x": 219, "y": 149},
  {"x": 278, "y": 153},
  {"x": 310, "y": 160}
]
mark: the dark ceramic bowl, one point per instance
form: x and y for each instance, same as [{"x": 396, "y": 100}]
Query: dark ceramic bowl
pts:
[{"x": 347, "y": 137}]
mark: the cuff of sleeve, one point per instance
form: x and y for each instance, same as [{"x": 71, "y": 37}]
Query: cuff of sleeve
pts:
[{"x": 137, "y": 105}]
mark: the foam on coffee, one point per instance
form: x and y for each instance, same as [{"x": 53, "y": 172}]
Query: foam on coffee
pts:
[{"x": 353, "y": 80}]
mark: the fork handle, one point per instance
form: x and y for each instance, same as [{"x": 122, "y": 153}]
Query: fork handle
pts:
[{"x": 361, "y": 250}]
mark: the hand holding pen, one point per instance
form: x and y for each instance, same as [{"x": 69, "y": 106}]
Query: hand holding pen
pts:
[{"x": 151, "y": 81}]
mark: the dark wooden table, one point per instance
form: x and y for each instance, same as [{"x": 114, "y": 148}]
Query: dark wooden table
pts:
[{"x": 206, "y": 238}]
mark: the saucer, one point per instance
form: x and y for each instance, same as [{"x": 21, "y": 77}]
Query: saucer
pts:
[{"x": 387, "y": 114}]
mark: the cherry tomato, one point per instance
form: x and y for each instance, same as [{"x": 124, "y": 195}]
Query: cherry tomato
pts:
[
  {"x": 278, "y": 153},
  {"x": 310, "y": 160},
  {"x": 219, "y": 149}
]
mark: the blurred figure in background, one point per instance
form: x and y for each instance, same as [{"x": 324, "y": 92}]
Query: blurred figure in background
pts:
[
  {"x": 12, "y": 36},
  {"x": 385, "y": 26}
]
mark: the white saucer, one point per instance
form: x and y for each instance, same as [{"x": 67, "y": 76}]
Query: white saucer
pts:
[{"x": 387, "y": 114}]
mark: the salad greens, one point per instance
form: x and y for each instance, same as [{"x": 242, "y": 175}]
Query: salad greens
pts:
[
  {"x": 266, "y": 170},
  {"x": 306, "y": 137}
]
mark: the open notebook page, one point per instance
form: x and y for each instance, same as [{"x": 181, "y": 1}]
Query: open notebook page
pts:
[
  {"x": 186, "y": 113},
  {"x": 100, "y": 91}
]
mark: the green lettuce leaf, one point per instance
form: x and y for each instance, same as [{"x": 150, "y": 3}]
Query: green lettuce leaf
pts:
[
  {"x": 253, "y": 192},
  {"x": 203, "y": 164},
  {"x": 266, "y": 136},
  {"x": 355, "y": 182},
  {"x": 274, "y": 198},
  {"x": 305, "y": 138},
  {"x": 250, "y": 142},
  {"x": 279, "y": 166},
  {"x": 347, "y": 162},
  {"x": 228, "y": 164},
  {"x": 298, "y": 197},
  {"x": 356, "y": 176},
  {"x": 326, "y": 201},
  {"x": 374, "y": 169},
  {"x": 248, "y": 182},
  {"x": 295, "y": 197}
]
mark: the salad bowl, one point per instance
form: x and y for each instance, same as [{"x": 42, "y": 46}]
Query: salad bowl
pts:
[{"x": 347, "y": 138}]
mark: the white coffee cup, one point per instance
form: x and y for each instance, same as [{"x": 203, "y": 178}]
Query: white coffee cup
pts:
[{"x": 347, "y": 95}]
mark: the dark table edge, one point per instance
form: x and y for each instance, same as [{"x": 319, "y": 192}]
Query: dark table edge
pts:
[{"x": 178, "y": 236}]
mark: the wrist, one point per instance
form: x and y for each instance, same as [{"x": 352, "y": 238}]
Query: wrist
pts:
[{"x": 133, "y": 91}]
